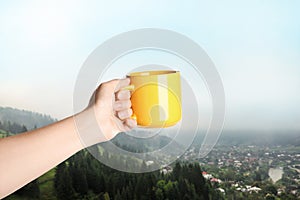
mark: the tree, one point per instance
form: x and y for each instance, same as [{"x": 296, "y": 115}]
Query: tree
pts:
[
  {"x": 23, "y": 129},
  {"x": 79, "y": 180},
  {"x": 106, "y": 196},
  {"x": 96, "y": 182},
  {"x": 141, "y": 186},
  {"x": 118, "y": 196},
  {"x": 125, "y": 194},
  {"x": 95, "y": 179},
  {"x": 63, "y": 183},
  {"x": 78, "y": 168},
  {"x": 176, "y": 171},
  {"x": 170, "y": 190},
  {"x": 31, "y": 190},
  {"x": 270, "y": 197},
  {"x": 187, "y": 190},
  {"x": 159, "y": 194},
  {"x": 271, "y": 189},
  {"x": 257, "y": 176},
  {"x": 82, "y": 173},
  {"x": 229, "y": 174}
]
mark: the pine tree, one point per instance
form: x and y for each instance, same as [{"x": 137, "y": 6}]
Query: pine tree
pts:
[
  {"x": 106, "y": 196},
  {"x": 79, "y": 180},
  {"x": 118, "y": 196},
  {"x": 63, "y": 183},
  {"x": 23, "y": 129},
  {"x": 78, "y": 170},
  {"x": 141, "y": 186},
  {"x": 170, "y": 190},
  {"x": 95, "y": 181},
  {"x": 31, "y": 190},
  {"x": 176, "y": 171},
  {"x": 124, "y": 193},
  {"x": 159, "y": 194}
]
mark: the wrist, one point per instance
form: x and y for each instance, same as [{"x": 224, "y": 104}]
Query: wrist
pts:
[{"x": 90, "y": 127}]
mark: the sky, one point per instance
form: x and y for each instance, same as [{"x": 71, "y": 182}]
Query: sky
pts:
[{"x": 254, "y": 44}]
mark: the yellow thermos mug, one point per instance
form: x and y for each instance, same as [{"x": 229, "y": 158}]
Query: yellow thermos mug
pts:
[{"x": 156, "y": 98}]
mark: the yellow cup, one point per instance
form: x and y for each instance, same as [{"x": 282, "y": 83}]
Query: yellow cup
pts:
[{"x": 156, "y": 98}]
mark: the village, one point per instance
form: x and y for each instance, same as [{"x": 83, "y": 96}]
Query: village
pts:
[{"x": 261, "y": 170}]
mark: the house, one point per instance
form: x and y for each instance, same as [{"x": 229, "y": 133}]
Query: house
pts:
[
  {"x": 206, "y": 175},
  {"x": 215, "y": 180},
  {"x": 166, "y": 169},
  {"x": 221, "y": 190},
  {"x": 254, "y": 189}
]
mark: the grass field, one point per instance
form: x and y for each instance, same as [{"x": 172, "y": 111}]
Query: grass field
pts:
[
  {"x": 46, "y": 184},
  {"x": 3, "y": 133}
]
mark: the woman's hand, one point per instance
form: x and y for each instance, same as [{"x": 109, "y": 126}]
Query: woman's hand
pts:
[
  {"x": 26, "y": 156},
  {"x": 112, "y": 107}
]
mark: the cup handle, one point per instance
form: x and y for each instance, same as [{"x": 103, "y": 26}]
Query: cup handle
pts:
[{"x": 129, "y": 87}]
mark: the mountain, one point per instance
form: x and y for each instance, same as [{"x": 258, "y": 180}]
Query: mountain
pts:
[
  {"x": 127, "y": 153},
  {"x": 142, "y": 145},
  {"x": 15, "y": 121},
  {"x": 259, "y": 138},
  {"x": 29, "y": 119}
]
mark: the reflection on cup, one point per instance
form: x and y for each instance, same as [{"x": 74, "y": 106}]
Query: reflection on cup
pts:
[{"x": 156, "y": 98}]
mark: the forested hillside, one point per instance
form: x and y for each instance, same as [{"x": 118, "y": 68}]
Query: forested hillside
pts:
[
  {"x": 9, "y": 117},
  {"x": 84, "y": 177}
]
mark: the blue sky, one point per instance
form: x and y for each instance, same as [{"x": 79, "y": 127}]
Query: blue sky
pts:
[{"x": 254, "y": 44}]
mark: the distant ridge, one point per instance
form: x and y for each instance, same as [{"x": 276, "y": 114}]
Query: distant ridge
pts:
[
  {"x": 23, "y": 117},
  {"x": 260, "y": 138},
  {"x": 142, "y": 145}
]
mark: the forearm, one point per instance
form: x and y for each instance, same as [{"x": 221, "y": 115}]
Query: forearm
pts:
[{"x": 26, "y": 156}]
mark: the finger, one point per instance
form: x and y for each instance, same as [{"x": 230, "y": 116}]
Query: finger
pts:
[
  {"x": 126, "y": 128},
  {"x": 124, "y": 114},
  {"x": 122, "y": 83},
  {"x": 122, "y": 105},
  {"x": 130, "y": 123},
  {"x": 123, "y": 95}
]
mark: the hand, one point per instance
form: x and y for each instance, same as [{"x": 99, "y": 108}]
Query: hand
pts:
[
  {"x": 26, "y": 156},
  {"x": 112, "y": 107}
]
